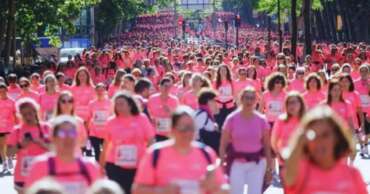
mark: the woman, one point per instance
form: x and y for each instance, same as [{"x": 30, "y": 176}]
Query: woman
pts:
[
  {"x": 7, "y": 122},
  {"x": 314, "y": 94},
  {"x": 353, "y": 97},
  {"x": 62, "y": 86},
  {"x": 336, "y": 101},
  {"x": 316, "y": 154},
  {"x": 245, "y": 141},
  {"x": 128, "y": 134},
  {"x": 274, "y": 96},
  {"x": 13, "y": 89},
  {"x": 225, "y": 88},
  {"x": 185, "y": 84},
  {"x": 155, "y": 175},
  {"x": 83, "y": 92},
  {"x": 297, "y": 83},
  {"x": 74, "y": 173},
  {"x": 190, "y": 97},
  {"x": 26, "y": 91},
  {"x": 66, "y": 106},
  {"x": 49, "y": 98},
  {"x": 128, "y": 83},
  {"x": 206, "y": 127},
  {"x": 100, "y": 111},
  {"x": 27, "y": 140},
  {"x": 116, "y": 84},
  {"x": 287, "y": 123}
]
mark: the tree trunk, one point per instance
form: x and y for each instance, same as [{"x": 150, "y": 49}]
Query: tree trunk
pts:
[
  {"x": 9, "y": 30},
  {"x": 3, "y": 25},
  {"x": 307, "y": 26},
  {"x": 294, "y": 28}
]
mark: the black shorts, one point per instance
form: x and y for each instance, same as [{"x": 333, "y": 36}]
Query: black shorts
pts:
[
  {"x": 18, "y": 185},
  {"x": 367, "y": 125},
  {"x": 124, "y": 177},
  {"x": 4, "y": 134}
]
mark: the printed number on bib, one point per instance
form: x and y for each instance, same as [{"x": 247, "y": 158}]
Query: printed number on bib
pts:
[
  {"x": 275, "y": 107},
  {"x": 163, "y": 125},
  {"x": 100, "y": 117},
  {"x": 188, "y": 186},
  {"x": 25, "y": 165},
  {"x": 74, "y": 187},
  {"x": 126, "y": 155},
  {"x": 365, "y": 100}
]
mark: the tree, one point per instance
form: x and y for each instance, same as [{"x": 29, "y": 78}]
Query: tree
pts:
[{"x": 30, "y": 19}]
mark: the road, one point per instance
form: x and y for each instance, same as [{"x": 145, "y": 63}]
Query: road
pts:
[{"x": 6, "y": 183}]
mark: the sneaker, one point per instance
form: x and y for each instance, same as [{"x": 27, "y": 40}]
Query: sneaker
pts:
[
  {"x": 10, "y": 163},
  {"x": 6, "y": 172}
]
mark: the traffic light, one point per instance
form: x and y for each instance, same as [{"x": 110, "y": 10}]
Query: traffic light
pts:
[{"x": 237, "y": 20}]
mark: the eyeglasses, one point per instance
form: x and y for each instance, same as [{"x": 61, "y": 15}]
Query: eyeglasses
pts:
[
  {"x": 65, "y": 101},
  {"x": 70, "y": 133}
]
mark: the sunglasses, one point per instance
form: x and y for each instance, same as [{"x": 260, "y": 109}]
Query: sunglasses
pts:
[
  {"x": 23, "y": 86},
  {"x": 247, "y": 97},
  {"x": 65, "y": 101},
  {"x": 71, "y": 133}
]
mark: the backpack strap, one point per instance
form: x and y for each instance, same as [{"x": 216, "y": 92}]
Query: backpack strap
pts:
[
  {"x": 202, "y": 148},
  {"x": 206, "y": 155},
  {"x": 51, "y": 166},
  {"x": 84, "y": 172},
  {"x": 156, "y": 153}
]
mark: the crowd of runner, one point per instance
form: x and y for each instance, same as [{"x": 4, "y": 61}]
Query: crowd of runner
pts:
[{"x": 155, "y": 115}]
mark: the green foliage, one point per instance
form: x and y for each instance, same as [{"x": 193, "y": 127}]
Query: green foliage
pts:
[
  {"x": 47, "y": 17},
  {"x": 270, "y": 6}
]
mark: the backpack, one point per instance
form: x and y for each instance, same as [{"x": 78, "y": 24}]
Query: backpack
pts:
[
  {"x": 156, "y": 154},
  {"x": 83, "y": 170}
]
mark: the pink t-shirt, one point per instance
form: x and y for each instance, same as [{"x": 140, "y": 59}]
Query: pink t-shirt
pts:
[
  {"x": 240, "y": 85},
  {"x": 64, "y": 87},
  {"x": 341, "y": 179},
  {"x": 273, "y": 105},
  {"x": 31, "y": 94},
  {"x": 160, "y": 111},
  {"x": 282, "y": 131},
  {"x": 313, "y": 98},
  {"x": 354, "y": 99},
  {"x": 190, "y": 99},
  {"x": 297, "y": 85},
  {"x": 82, "y": 96},
  {"x": 68, "y": 174},
  {"x": 362, "y": 87},
  {"x": 112, "y": 90},
  {"x": 176, "y": 168},
  {"x": 128, "y": 138},
  {"x": 343, "y": 109},
  {"x": 27, "y": 154},
  {"x": 48, "y": 104},
  {"x": 14, "y": 92},
  {"x": 100, "y": 111},
  {"x": 7, "y": 115},
  {"x": 246, "y": 133}
]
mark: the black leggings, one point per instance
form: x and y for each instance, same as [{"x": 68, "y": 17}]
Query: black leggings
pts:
[
  {"x": 96, "y": 143},
  {"x": 124, "y": 177}
]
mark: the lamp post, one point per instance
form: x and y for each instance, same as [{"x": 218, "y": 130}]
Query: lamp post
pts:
[
  {"x": 226, "y": 25},
  {"x": 237, "y": 25},
  {"x": 279, "y": 26}
]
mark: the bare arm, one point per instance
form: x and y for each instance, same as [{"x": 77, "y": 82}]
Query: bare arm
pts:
[
  {"x": 292, "y": 162},
  {"x": 225, "y": 140}
]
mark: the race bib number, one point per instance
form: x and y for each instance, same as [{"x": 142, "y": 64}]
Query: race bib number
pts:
[
  {"x": 188, "y": 186},
  {"x": 25, "y": 165},
  {"x": 74, "y": 187},
  {"x": 101, "y": 117},
  {"x": 275, "y": 107},
  {"x": 365, "y": 100},
  {"x": 13, "y": 96},
  {"x": 126, "y": 155},
  {"x": 163, "y": 124},
  {"x": 48, "y": 115}
]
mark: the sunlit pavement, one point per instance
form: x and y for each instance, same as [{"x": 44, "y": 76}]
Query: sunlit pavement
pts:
[{"x": 6, "y": 182}]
